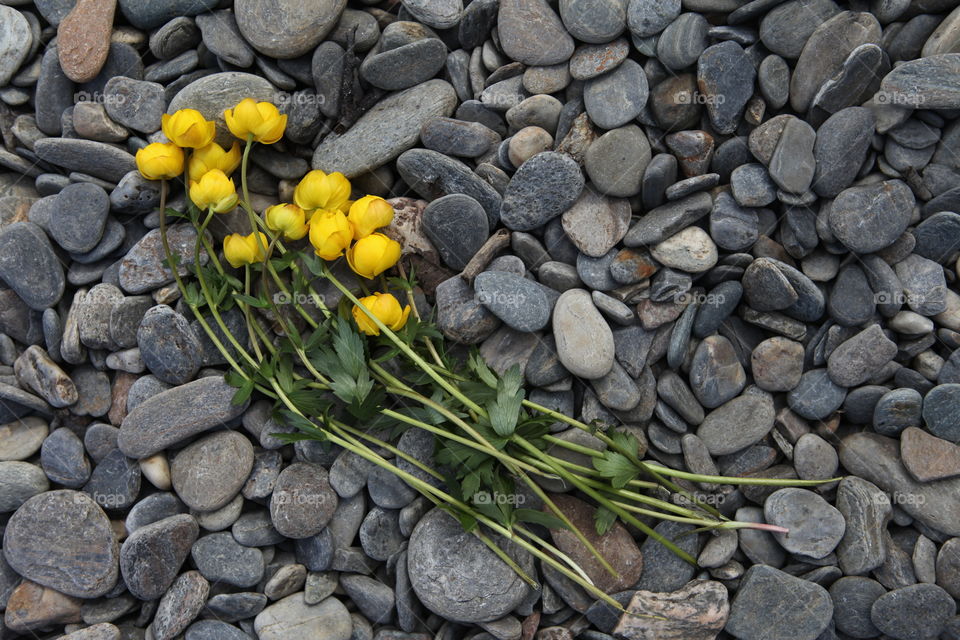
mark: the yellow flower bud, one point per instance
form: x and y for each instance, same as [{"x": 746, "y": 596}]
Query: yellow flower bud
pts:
[
  {"x": 160, "y": 161},
  {"x": 214, "y": 191},
  {"x": 373, "y": 255},
  {"x": 261, "y": 120},
  {"x": 240, "y": 250},
  {"x": 319, "y": 190},
  {"x": 288, "y": 218},
  {"x": 368, "y": 214},
  {"x": 387, "y": 310},
  {"x": 330, "y": 234},
  {"x": 213, "y": 156},
  {"x": 188, "y": 128}
]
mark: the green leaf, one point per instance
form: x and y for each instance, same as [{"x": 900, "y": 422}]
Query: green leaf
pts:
[
  {"x": 505, "y": 412},
  {"x": 616, "y": 467},
  {"x": 349, "y": 349},
  {"x": 243, "y": 393},
  {"x": 257, "y": 303},
  {"x": 285, "y": 374},
  {"x": 547, "y": 520},
  {"x": 479, "y": 367},
  {"x": 603, "y": 519}
]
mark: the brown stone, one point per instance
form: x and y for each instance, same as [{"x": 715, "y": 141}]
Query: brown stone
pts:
[
  {"x": 83, "y": 38},
  {"x": 32, "y": 606},
  {"x": 580, "y": 136},
  {"x": 616, "y": 546},
  {"x": 655, "y": 314},
  {"x": 122, "y": 382},
  {"x": 698, "y": 611},
  {"x": 928, "y": 457}
]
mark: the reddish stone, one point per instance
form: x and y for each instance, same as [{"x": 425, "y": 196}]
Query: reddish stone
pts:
[{"x": 83, "y": 38}]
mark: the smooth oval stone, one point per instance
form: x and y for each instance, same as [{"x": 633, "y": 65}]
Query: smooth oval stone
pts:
[
  {"x": 792, "y": 164},
  {"x": 406, "y": 65},
  {"x": 210, "y": 472},
  {"x": 486, "y": 588},
  {"x": 666, "y": 220},
  {"x": 896, "y": 410},
  {"x": 222, "y": 37},
  {"x": 303, "y": 501},
  {"x": 825, "y": 52},
  {"x": 594, "y": 21},
  {"x": 842, "y": 144},
  {"x": 725, "y": 76},
  {"x": 286, "y": 28},
  {"x": 78, "y": 220},
  {"x": 439, "y": 14},
  {"x": 773, "y": 78},
  {"x": 650, "y": 17},
  {"x": 737, "y": 424},
  {"x": 458, "y": 137},
  {"x": 733, "y": 227},
  {"x": 433, "y": 175},
  {"x": 20, "y": 481},
  {"x": 716, "y": 374},
  {"x": 16, "y": 39},
  {"x": 858, "y": 359},
  {"x": 615, "y": 98},
  {"x": 457, "y": 226},
  {"x": 176, "y": 414},
  {"x": 682, "y": 42},
  {"x": 926, "y": 83},
  {"x": 543, "y": 188},
  {"x": 584, "y": 340},
  {"x": 771, "y": 603},
  {"x": 815, "y": 527},
  {"x": 915, "y": 611},
  {"x": 168, "y": 346},
  {"x": 617, "y": 160},
  {"x": 391, "y": 127},
  {"x": 934, "y": 236},
  {"x": 816, "y": 396},
  {"x": 590, "y": 61},
  {"x": 691, "y": 250},
  {"x": 151, "y": 557},
  {"x": 924, "y": 284},
  {"x": 521, "y": 303},
  {"x": 870, "y": 218},
  {"x": 63, "y": 540},
  {"x": 532, "y": 33},
  {"x": 147, "y": 14},
  {"x": 459, "y": 316},
  {"x": 596, "y": 223},
  {"x": 940, "y": 411},
  {"x": 98, "y": 159},
  {"x": 29, "y": 266}
]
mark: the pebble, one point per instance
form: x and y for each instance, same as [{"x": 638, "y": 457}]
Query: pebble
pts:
[
  {"x": 177, "y": 414},
  {"x": 15, "y": 42},
  {"x": 590, "y": 61},
  {"x": 527, "y": 143},
  {"x": 680, "y": 44},
  {"x": 457, "y": 226},
  {"x": 923, "y": 283},
  {"x": 21, "y": 481},
  {"x": 725, "y": 77},
  {"x": 919, "y": 610},
  {"x": 815, "y": 527},
  {"x": 544, "y": 187},
  {"x": 924, "y": 81},
  {"x": 939, "y": 411},
  {"x": 770, "y": 601},
  {"x": 202, "y": 476},
  {"x": 716, "y": 375},
  {"x": 168, "y": 346},
  {"x": 853, "y": 597},
  {"x": 29, "y": 265},
  {"x": 458, "y": 137},
  {"x": 816, "y": 396},
  {"x": 439, "y": 547},
  {"x": 531, "y": 33},
  {"x": 737, "y": 424},
  {"x": 405, "y": 66},
  {"x": 385, "y": 131},
  {"x": 690, "y": 250},
  {"x": 520, "y": 303},
  {"x": 63, "y": 540},
  {"x": 595, "y": 223},
  {"x": 856, "y": 360},
  {"x": 99, "y": 159},
  {"x": 617, "y": 97},
  {"x": 433, "y": 175},
  {"x": 83, "y": 39},
  {"x": 650, "y": 17},
  {"x": 219, "y": 557},
  {"x": 303, "y": 501},
  {"x": 285, "y": 29},
  {"x": 151, "y": 557},
  {"x": 867, "y": 219},
  {"x": 22, "y": 438},
  {"x": 617, "y": 161},
  {"x": 292, "y": 617},
  {"x": 927, "y": 457},
  {"x": 793, "y": 164}
]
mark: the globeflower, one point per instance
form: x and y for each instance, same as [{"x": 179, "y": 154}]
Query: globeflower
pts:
[
  {"x": 320, "y": 190},
  {"x": 188, "y": 128},
  {"x": 368, "y": 214},
  {"x": 288, "y": 218},
  {"x": 330, "y": 234},
  {"x": 213, "y": 156},
  {"x": 214, "y": 191},
  {"x": 160, "y": 161},
  {"x": 261, "y": 120},
  {"x": 373, "y": 255},
  {"x": 240, "y": 250},
  {"x": 387, "y": 310}
]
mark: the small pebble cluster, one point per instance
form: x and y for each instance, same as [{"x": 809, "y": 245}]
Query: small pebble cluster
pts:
[{"x": 729, "y": 227}]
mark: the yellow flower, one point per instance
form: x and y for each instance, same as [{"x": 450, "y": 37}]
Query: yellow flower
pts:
[
  {"x": 213, "y": 157},
  {"x": 240, "y": 250},
  {"x": 214, "y": 191},
  {"x": 188, "y": 128},
  {"x": 288, "y": 218},
  {"x": 319, "y": 190},
  {"x": 373, "y": 255},
  {"x": 368, "y": 214},
  {"x": 330, "y": 234},
  {"x": 160, "y": 161},
  {"x": 386, "y": 308},
  {"x": 262, "y": 120}
]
